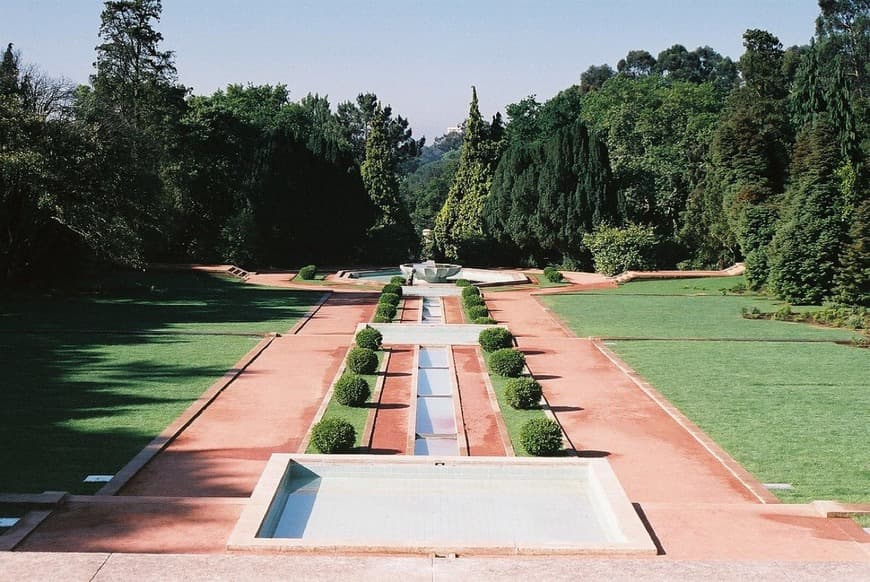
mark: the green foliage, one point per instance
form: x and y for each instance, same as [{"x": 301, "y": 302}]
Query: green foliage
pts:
[
  {"x": 352, "y": 390},
  {"x": 472, "y": 300},
  {"x": 507, "y": 362},
  {"x": 463, "y": 283},
  {"x": 386, "y": 310},
  {"x": 397, "y": 280},
  {"x": 369, "y": 338},
  {"x": 333, "y": 435},
  {"x": 615, "y": 250},
  {"x": 459, "y": 229},
  {"x": 476, "y": 311},
  {"x": 523, "y": 393},
  {"x": 470, "y": 290},
  {"x": 378, "y": 318},
  {"x": 392, "y": 288},
  {"x": 495, "y": 338},
  {"x": 853, "y": 279},
  {"x": 362, "y": 361},
  {"x": 553, "y": 275},
  {"x": 546, "y": 194},
  {"x": 805, "y": 251},
  {"x": 307, "y": 272},
  {"x": 541, "y": 437},
  {"x": 483, "y": 321},
  {"x": 389, "y": 299}
]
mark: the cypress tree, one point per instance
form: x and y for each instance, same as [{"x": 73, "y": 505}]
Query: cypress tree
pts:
[
  {"x": 459, "y": 224},
  {"x": 853, "y": 280}
]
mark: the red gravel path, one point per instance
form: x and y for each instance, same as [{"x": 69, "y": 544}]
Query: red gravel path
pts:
[
  {"x": 481, "y": 426},
  {"x": 390, "y": 432}
]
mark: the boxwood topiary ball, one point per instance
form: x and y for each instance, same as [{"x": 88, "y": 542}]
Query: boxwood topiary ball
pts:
[
  {"x": 352, "y": 390},
  {"x": 507, "y": 362},
  {"x": 362, "y": 361},
  {"x": 541, "y": 437},
  {"x": 495, "y": 338},
  {"x": 333, "y": 435},
  {"x": 522, "y": 393}
]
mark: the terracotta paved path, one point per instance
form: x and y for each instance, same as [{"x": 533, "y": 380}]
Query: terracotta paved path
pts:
[
  {"x": 481, "y": 427},
  {"x": 390, "y": 433}
]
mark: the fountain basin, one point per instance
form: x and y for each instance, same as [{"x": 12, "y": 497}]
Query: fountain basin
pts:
[{"x": 429, "y": 271}]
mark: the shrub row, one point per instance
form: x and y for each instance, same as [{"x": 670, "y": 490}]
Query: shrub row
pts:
[{"x": 837, "y": 316}]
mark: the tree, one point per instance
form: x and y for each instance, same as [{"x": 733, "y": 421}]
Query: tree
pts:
[
  {"x": 9, "y": 82},
  {"x": 594, "y": 77},
  {"x": 355, "y": 119},
  {"x": 853, "y": 279},
  {"x": 459, "y": 228},
  {"x": 761, "y": 64},
  {"x": 637, "y": 63},
  {"x": 805, "y": 251}
]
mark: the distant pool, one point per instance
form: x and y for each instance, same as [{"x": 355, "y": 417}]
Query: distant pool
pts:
[{"x": 380, "y": 275}]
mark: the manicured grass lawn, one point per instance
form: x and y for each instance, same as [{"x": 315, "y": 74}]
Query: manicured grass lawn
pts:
[
  {"x": 689, "y": 308},
  {"x": 514, "y": 419},
  {"x": 543, "y": 282},
  {"x": 789, "y": 412},
  {"x": 75, "y": 402},
  {"x": 355, "y": 415}
]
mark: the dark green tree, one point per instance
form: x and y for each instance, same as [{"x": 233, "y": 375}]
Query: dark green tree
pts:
[
  {"x": 853, "y": 279},
  {"x": 637, "y": 63},
  {"x": 595, "y": 76}
]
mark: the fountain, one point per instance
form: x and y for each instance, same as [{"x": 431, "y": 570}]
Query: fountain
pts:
[{"x": 429, "y": 271}]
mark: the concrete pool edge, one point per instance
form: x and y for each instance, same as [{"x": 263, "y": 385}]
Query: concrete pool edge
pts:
[{"x": 636, "y": 540}]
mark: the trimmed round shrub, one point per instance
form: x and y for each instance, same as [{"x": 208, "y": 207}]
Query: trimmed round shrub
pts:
[
  {"x": 476, "y": 311},
  {"x": 307, "y": 272},
  {"x": 483, "y": 321},
  {"x": 397, "y": 280},
  {"x": 467, "y": 291},
  {"x": 472, "y": 300},
  {"x": 352, "y": 390},
  {"x": 370, "y": 338},
  {"x": 522, "y": 393},
  {"x": 381, "y": 319},
  {"x": 333, "y": 435},
  {"x": 541, "y": 437},
  {"x": 553, "y": 275},
  {"x": 507, "y": 362},
  {"x": 386, "y": 310},
  {"x": 495, "y": 338},
  {"x": 397, "y": 289},
  {"x": 362, "y": 361},
  {"x": 389, "y": 298},
  {"x": 463, "y": 282}
]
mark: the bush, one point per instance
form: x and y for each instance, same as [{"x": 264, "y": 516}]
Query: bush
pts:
[
  {"x": 495, "y": 338},
  {"x": 507, "y": 362},
  {"x": 522, "y": 393},
  {"x": 476, "y": 311},
  {"x": 473, "y": 300},
  {"x": 397, "y": 289},
  {"x": 463, "y": 282},
  {"x": 333, "y": 435},
  {"x": 307, "y": 272},
  {"x": 381, "y": 319},
  {"x": 397, "y": 280},
  {"x": 615, "y": 250},
  {"x": 784, "y": 313},
  {"x": 352, "y": 390},
  {"x": 370, "y": 338},
  {"x": 389, "y": 299},
  {"x": 386, "y": 311},
  {"x": 362, "y": 361},
  {"x": 468, "y": 291},
  {"x": 541, "y": 437},
  {"x": 553, "y": 275},
  {"x": 483, "y": 321}
]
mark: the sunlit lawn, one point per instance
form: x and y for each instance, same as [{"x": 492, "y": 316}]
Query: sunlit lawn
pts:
[{"x": 794, "y": 413}]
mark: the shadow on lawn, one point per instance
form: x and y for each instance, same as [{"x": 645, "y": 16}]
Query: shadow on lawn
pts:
[{"x": 74, "y": 404}]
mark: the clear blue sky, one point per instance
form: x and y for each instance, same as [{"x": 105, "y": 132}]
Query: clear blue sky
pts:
[{"x": 421, "y": 57}]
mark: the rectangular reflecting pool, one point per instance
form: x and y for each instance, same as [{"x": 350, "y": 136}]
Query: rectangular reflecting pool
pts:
[{"x": 498, "y": 505}]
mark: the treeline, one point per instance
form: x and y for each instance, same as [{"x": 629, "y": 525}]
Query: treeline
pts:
[
  {"x": 686, "y": 159},
  {"x": 131, "y": 168}
]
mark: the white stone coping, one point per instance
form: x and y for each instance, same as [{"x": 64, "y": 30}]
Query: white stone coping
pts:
[
  {"x": 429, "y": 334},
  {"x": 627, "y": 534}
]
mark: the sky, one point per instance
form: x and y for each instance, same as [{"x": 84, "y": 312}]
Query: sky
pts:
[{"x": 420, "y": 57}]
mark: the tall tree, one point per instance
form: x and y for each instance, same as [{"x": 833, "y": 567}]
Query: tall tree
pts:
[
  {"x": 595, "y": 76},
  {"x": 459, "y": 230},
  {"x": 356, "y": 119},
  {"x": 637, "y": 63}
]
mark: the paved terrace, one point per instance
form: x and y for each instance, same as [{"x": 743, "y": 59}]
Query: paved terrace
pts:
[{"x": 701, "y": 506}]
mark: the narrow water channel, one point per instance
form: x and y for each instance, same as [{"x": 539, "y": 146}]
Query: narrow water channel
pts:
[{"x": 435, "y": 429}]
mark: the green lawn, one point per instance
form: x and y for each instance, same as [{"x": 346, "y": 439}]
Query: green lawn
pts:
[
  {"x": 78, "y": 399},
  {"x": 543, "y": 282},
  {"x": 514, "y": 419},
  {"x": 355, "y": 415},
  {"x": 789, "y": 412}
]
